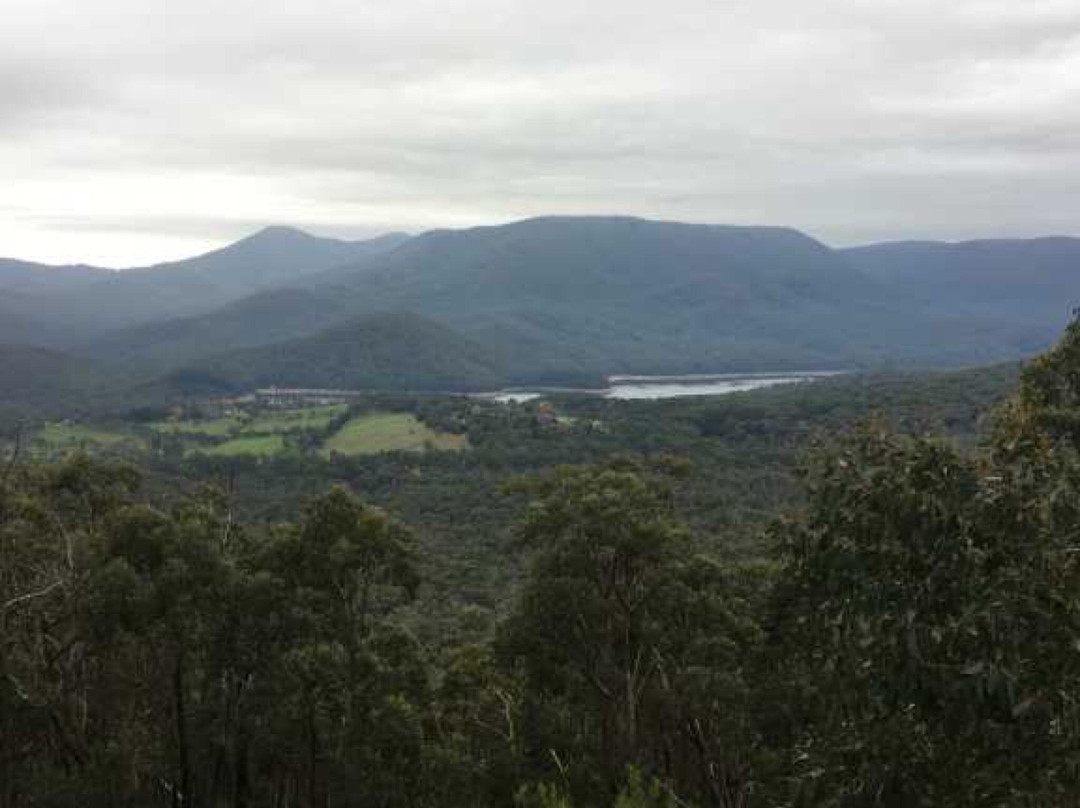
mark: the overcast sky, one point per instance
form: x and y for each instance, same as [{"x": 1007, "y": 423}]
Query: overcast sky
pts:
[{"x": 140, "y": 130}]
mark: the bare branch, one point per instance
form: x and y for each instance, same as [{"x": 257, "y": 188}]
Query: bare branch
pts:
[
  {"x": 69, "y": 550},
  {"x": 30, "y": 596}
]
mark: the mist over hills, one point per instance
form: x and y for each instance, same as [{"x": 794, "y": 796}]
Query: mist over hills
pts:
[
  {"x": 1018, "y": 280},
  {"x": 631, "y": 295},
  {"x": 555, "y": 300},
  {"x": 30, "y": 276},
  {"x": 112, "y": 300},
  {"x": 396, "y": 351},
  {"x": 46, "y": 382},
  {"x": 266, "y": 317}
]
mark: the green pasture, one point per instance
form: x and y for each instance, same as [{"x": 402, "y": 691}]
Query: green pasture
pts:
[
  {"x": 279, "y": 421},
  {"x": 217, "y": 427},
  {"x": 253, "y": 445},
  {"x": 59, "y": 438},
  {"x": 389, "y": 432}
]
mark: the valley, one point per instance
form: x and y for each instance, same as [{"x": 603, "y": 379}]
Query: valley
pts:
[
  {"x": 404, "y": 486},
  {"x": 547, "y": 302},
  {"x": 539, "y": 404}
]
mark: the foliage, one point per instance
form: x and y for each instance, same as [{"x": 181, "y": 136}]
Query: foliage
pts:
[
  {"x": 283, "y": 638},
  {"x": 928, "y": 600},
  {"x": 633, "y": 648}
]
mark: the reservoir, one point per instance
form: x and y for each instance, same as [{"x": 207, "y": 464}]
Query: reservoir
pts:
[{"x": 630, "y": 388}]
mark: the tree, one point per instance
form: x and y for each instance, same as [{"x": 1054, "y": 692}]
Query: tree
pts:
[
  {"x": 930, "y": 610},
  {"x": 50, "y": 519},
  {"x": 618, "y": 627},
  {"x": 343, "y": 569}
]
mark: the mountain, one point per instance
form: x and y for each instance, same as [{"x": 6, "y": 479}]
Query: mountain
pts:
[
  {"x": 617, "y": 294},
  {"x": 561, "y": 300},
  {"x": 396, "y": 351},
  {"x": 270, "y": 258},
  {"x": 263, "y": 318},
  {"x": 17, "y": 327},
  {"x": 28, "y": 276},
  {"x": 1036, "y": 281},
  {"x": 43, "y": 381},
  {"x": 564, "y": 299}
]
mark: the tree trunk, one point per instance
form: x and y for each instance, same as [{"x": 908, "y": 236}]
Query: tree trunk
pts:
[
  {"x": 183, "y": 796},
  {"x": 240, "y": 761}
]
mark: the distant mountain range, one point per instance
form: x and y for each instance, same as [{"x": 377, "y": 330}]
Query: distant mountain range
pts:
[
  {"x": 79, "y": 303},
  {"x": 1033, "y": 280},
  {"x": 554, "y": 299},
  {"x": 28, "y": 276},
  {"x": 379, "y": 351},
  {"x": 44, "y": 382}
]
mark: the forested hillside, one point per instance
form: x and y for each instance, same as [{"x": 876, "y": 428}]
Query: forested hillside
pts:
[
  {"x": 592, "y": 603},
  {"x": 590, "y": 295},
  {"x": 78, "y": 304},
  {"x": 29, "y": 276},
  {"x": 558, "y": 300},
  {"x": 1032, "y": 280},
  {"x": 380, "y": 352},
  {"x": 42, "y": 382}
]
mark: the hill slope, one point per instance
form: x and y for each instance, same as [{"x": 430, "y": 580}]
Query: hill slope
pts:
[
  {"x": 270, "y": 258},
  {"x": 1013, "y": 280},
  {"x": 262, "y": 319},
  {"x": 43, "y": 381},
  {"x": 383, "y": 351},
  {"x": 623, "y": 294},
  {"x": 563, "y": 299},
  {"x": 559, "y": 299},
  {"x": 31, "y": 276}
]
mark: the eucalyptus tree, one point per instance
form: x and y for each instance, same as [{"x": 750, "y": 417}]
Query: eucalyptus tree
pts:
[
  {"x": 50, "y": 678},
  {"x": 343, "y": 685},
  {"x": 928, "y": 613},
  {"x": 628, "y": 639}
]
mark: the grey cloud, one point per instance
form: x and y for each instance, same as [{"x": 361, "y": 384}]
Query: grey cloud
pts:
[
  {"x": 196, "y": 226},
  {"x": 854, "y": 120}
]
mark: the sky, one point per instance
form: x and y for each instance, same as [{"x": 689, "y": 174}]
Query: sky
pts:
[{"x": 135, "y": 131}]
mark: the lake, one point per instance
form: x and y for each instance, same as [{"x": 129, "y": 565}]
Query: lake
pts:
[{"x": 656, "y": 387}]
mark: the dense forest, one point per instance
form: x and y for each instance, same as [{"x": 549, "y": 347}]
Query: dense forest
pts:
[{"x": 626, "y": 604}]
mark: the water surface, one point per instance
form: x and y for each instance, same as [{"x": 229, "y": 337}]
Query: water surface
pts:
[{"x": 643, "y": 388}]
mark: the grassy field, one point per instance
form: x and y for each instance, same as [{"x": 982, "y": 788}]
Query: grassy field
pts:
[
  {"x": 217, "y": 427},
  {"x": 389, "y": 432},
  {"x": 274, "y": 421},
  {"x": 59, "y": 438},
  {"x": 269, "y": 422},
  {"x": 263, "y": 435},
  {"x": 256, "y": 445}
]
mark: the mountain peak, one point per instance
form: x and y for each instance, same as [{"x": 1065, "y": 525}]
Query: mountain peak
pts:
[{"x": 278, "y": 232}]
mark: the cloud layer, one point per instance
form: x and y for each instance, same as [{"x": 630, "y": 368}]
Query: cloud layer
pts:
[{"x": 134, "y": 131}]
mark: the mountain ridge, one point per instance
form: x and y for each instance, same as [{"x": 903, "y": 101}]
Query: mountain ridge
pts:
[
  {"x": 270, "y": 258},
  {"x": 387, "y": 351},
  {"x": 555, "y": 298}
]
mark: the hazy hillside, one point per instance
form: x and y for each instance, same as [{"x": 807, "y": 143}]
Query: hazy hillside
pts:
[
  {"x": 384, "y": 351},
  {"x": 1034, "y": 280},
  {"x": 623, "y": 294},
  {"x": 564, "y": 299},
  {"x": 31, "y": 276},
  {"x": 20, "y": 325},
  {"x": 264, "y": 318},
  {"x": 42, "y": 381},
  {"x": 270, "y": 258}
]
